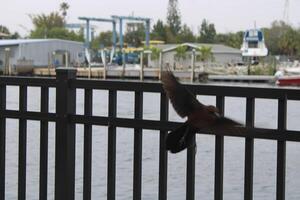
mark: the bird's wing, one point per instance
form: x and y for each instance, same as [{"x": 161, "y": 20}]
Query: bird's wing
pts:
[
  {"x": 224, "y": 124},
  {"x": 183, "y": 101}
]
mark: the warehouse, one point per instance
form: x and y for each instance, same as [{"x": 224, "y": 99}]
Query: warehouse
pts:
[
  {"x": 221, "y": 55},
  {"x": 40, "y": 53}
]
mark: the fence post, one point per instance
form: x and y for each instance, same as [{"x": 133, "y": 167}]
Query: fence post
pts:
[
  {"x": 2, "y": 141},
  {"x": 65, "y": 135},
  {"x": 141, "y": 66},
  {"x": 160, "y": 63},
  {"x": 193, "y": 65}
]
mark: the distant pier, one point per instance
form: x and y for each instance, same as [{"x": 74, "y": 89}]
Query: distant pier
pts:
[{"x": 154, "y": 73}]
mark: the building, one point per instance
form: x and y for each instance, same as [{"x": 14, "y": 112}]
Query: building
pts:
[
  {"x": 221, "y": 54},
  {"x": 40, "y": 52}
]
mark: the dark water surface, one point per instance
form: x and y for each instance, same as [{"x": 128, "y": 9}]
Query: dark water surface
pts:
[{"x": 264, "y": 155}]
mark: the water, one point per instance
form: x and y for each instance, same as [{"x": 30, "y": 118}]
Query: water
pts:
[{"x": 264, "y": 155}]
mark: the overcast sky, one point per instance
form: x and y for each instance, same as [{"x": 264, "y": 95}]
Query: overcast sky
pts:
[{"x": 227, "y": 15}]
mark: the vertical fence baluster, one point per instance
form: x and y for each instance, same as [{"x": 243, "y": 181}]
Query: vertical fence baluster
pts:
[
  {"x": 190, "y": 172},
  {"x": 163, "y": 154},
  {"x": 65, "y": 135},
  {"x": 111, "y": 163},
  {"x": 2, "y": 141},
  {"x": 138, "y": 139},
  {"x": 44, "y": 145},
  {"x": 219, "y": 156},
  {"x": 281, "y": 150},
  {"x": 249, "y": 151},
  {"x": 87, "y": 165},
  {"x": 22, "y": 144}
]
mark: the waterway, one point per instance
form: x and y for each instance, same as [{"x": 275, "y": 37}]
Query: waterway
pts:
[{"x": 264, "y": 155}]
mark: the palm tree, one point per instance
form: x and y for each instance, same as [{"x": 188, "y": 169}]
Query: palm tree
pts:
[
  {"x": 205, "y": 54},
  {"x": 180, "y": 53},
  {"x": 63, "y": 7},
  {"x": 155, "y": 53}
]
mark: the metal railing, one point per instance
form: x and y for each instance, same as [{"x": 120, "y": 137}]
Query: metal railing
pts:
[{"x": 66, "y": 118}]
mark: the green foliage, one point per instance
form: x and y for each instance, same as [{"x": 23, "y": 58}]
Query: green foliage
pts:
[
  {"x": 234, "y": 40},
  {"x": 205, "y": 54},
  {"x": 287, "y": 42},
  {"x": 103, "y": 39},
  {"x": 58, "y": 33},
  {"x": 262, "y": 70},
  {"x": 207, "y": 32},
  {"x": 281, "y": 38},
  {"x": 159, "y": 31},
  {"x": 170, "y": 37},
  {"x": 63, "y": 7},
  {"x": 180, "y": 52},
  {"x": 155, "y": 53},
  {"x": 273, "y": 35},
  {"x": 185, "y": 35},
  {"x": 47, "y": 22},
  {"x": 135, "y": 34},
  {"x": 173, "y": 17},
  {"x": 53, "y": 26},
  {"x": 4, "y": 29}
]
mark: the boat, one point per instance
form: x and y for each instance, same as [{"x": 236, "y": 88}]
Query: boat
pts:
[
  {"x": 288, "y": 80},
  {"x": 254, "y": 44}
]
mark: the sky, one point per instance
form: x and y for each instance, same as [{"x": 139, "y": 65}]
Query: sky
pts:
[{"x": 227, "y": 15}]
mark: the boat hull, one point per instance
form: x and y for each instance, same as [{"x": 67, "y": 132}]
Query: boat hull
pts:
[{"x": 289, "y": 81}]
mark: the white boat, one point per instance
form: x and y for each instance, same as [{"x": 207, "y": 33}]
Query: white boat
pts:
[{"x": 254, "y": 44}]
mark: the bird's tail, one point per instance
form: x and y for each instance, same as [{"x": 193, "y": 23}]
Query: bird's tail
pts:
[{"x": 181, "y": 138}]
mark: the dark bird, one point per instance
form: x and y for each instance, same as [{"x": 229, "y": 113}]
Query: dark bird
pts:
[{"x": 199, "y": 116}]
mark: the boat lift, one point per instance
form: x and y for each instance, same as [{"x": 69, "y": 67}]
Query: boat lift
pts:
[
  {"x": 132, "y": 18},
  {"x": 80, "y": 26},
  {"x": 87, "y": 38}
]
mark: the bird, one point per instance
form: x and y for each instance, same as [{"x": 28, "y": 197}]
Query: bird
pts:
[{"x": 199, "y": 116}]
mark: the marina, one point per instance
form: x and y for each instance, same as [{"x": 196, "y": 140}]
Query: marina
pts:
[
  {"x": 125, "y": 121},
  {"x": 123, "y": 104},
  {"x": 154, "y": 74}
]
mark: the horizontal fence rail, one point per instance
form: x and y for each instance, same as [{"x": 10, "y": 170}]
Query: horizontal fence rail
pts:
[{"x": 66, "y": 118}]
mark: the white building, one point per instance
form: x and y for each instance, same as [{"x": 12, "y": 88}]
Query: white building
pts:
[
  {"x": 40, "y": 52},
  {"x": 222, "y": 55}
]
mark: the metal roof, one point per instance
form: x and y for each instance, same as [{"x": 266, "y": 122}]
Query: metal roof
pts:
[
  {"x": 26, "y": 41},
  {"x": 216, "y": 48}
]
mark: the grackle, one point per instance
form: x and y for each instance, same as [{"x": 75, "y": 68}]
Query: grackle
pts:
[{"x": 199, "y": 116}]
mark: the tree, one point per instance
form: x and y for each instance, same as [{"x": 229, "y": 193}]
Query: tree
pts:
[
  {"x": 180, "y": 54},
  {"x": 186, "y": 35},
  {"x": 135, "y": 34},
  {"x": 173, "y": 17},
  {"x": 234, "y": 40},
  {"x": 273, "y": 35},
  {"x": 170, "y": 37},
  {"x": 207, "y": 32},
  {"x": 159, "y": 31},
  {"x": 155, "y": 53},
  {"x": 205, "y": 54},
  {"x": 44, "y": 23},
  {"x": 53, "y": 26},
  {"x": 288, "y": 42},
  {"x": 63, "y": 7},
  {"x": 4, "y": 30},
  {"x": 103, "y": 39}
]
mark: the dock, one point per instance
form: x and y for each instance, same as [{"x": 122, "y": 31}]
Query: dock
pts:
[{"x": 154, "y": 74}]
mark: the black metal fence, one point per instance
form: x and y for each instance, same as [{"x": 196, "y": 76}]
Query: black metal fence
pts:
[{"x": 66, "y": 119}]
